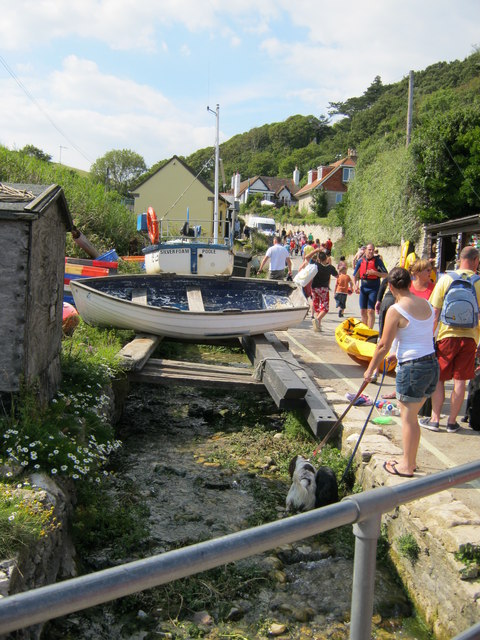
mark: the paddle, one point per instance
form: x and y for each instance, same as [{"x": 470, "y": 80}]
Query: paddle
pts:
[{"x": 337, "y": 423}]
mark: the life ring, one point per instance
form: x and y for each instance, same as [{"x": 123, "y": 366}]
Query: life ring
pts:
[{"x": 152, "y": 225}]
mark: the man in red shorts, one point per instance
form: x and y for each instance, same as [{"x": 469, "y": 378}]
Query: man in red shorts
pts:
[{"x": 456, "y": 347}]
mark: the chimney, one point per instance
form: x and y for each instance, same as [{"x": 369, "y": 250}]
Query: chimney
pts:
[
  {"x": 312, "y": 176},
  {"x": 352, "y": 153},
  {"x": 322, "y": 171},
  {"x": 296, "y": 177}
]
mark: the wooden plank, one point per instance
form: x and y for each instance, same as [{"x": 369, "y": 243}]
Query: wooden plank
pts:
[
  {"x": 320, "y": 416},
  {"x": 170, "y": 372},
  {"x": 182, "y": 365},
  {"x": 139, "y": 296},
  {"x": 277, "y": 375},
  {"x": 136, "y": 353},
  {"x": 195, "y": 300}
]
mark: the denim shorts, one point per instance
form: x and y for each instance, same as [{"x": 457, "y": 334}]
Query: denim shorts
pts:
[{"x": 417, "y": 379}]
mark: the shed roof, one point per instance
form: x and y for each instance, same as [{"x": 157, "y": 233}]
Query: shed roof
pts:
[{"x": 20, "y": 201}]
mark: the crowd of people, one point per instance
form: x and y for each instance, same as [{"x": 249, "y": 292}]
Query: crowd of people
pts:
[{"x": 429, "y": 325}]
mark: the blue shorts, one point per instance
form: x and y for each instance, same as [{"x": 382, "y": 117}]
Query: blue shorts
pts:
[
  {"x": 417, "y": 379},
  {"x": 368, "y": 294}
]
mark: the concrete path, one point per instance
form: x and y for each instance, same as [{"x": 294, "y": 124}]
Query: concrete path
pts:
[{"x": 337, "y": 371}]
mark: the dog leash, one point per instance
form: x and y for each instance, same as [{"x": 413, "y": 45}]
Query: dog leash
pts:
[
  {"x": 349, "y": 463},
  {"x": 338, "y": 422},
  {"x": 352, "y": 402}
]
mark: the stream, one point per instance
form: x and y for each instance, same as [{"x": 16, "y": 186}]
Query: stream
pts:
[{"x": 199, "y": 464}]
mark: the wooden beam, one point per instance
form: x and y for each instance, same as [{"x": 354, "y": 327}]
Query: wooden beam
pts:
[
  {"x": 139, "y": 296},
  {"x": 279, "y": 376},
  {"x": 136, "y": 353},
  {"x": 320, "y": 416},
  {"x": 164, "y": 372},
  {"x": 195, "y": 300}
]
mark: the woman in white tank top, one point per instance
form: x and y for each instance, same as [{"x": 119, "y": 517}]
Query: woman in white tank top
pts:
[{"x": 409, "y": 327}]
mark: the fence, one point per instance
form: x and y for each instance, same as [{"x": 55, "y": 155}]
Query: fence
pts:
[{"x": 363, "y": 510}]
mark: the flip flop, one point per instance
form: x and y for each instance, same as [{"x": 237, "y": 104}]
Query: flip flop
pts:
[
  {"x": 394, "y": 471},
  {"x": 389, "y": 396}
]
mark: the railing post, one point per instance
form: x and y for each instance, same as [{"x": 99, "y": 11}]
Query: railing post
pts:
[{"x": 366, "y": 536}]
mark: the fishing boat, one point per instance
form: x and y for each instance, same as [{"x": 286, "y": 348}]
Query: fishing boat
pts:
[
  {"x": 189, "y": 307},
  {"x": 188, "y": 256},
  {"x": 178, "y": 246},
  {"x": 359, "y": 341}
]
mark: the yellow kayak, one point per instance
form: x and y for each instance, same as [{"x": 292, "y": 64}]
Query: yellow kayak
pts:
[{"x": 358, "y": 340}]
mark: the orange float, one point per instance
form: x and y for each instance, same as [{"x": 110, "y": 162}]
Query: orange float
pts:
[{"x": 152, "y": 225}]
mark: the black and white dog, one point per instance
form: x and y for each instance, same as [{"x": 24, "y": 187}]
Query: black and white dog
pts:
[{"x": 310, "y": 488}]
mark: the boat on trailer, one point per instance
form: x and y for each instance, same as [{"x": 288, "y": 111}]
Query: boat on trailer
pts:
[
  {"x": 189, "y": 307},
  {"x": 178, "y": 246},
  {"x": 189, "y": 256}
]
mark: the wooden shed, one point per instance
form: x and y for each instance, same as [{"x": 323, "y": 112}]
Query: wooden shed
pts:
[
  {"x": 34, "y": 220},
  {"x": 445, "y": 240}
]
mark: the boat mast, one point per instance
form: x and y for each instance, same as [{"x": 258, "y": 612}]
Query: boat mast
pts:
[{"x": 217, "y": 155}]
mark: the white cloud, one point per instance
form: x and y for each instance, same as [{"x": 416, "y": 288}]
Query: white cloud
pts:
[{"x": 266, "y": 55}]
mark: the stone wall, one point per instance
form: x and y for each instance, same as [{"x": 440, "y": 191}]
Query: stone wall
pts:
[{"x": 50, "y": 559}]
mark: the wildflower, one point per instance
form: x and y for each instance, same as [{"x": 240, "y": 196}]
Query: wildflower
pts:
[
  {"x": 9, "y": 474},
  {"x": 53, "y": 472},
  {"x": 37, "y": 466},
  {"x": 33, "y": 455},
  {"x": 11, "y": 517},
  {"x": 55, "y": 451},
  {"x": 75, "y": 476},
  {"x": 64, "y": 467}
]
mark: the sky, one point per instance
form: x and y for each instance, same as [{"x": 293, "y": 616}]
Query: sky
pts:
[{"x": 79, "y": 78}]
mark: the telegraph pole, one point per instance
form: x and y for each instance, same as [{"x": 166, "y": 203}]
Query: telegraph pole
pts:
[
  {"x": 60, "y": 158},
  {"x": 410, "y": 107}
]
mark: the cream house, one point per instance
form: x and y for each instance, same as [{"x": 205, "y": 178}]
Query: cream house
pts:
[{"x": 174, "y": 191}]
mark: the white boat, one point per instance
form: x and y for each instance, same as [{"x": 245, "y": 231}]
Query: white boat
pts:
[
  {"x": 189, "y": 256},
  {"x": 189, "y": 307}
]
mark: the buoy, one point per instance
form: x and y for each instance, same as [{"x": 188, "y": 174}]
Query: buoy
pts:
[
  {"x": 70, "y": 319},
  {"x": 152, "y": 225}
]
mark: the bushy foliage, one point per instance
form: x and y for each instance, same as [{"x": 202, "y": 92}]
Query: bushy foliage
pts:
[
  {"x": 99, "y": 215},
  {"x": 381, "y": 206}
]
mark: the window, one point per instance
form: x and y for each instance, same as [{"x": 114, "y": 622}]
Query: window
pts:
[
  {"x": 348, "y": 174},
  {"x": 338, "y": 197}
]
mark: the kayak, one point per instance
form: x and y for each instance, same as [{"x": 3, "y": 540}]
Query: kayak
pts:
[{"x": 359, "y": 341}]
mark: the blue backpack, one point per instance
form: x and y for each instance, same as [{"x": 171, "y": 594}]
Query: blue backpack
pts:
[{"x": 460, "y": 305}]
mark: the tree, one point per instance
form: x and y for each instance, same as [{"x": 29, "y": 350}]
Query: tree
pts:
[
  {"x": 319, "y": 203},
  {"x": 35, "y": 152},
  {"x": 119, "y": 169}
]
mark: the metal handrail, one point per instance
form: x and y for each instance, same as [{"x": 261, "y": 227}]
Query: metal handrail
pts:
[{"x": 363, "y": 510}]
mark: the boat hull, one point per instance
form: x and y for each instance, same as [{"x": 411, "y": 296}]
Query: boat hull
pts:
[
  {"x": 189, "y": 258},
  {"x": 359, "y": 341},
  {"x": 189, "y": 307}
]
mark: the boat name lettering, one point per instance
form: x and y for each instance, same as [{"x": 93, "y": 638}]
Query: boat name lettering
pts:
[
  {"x": 169, "y": 251},
  {"x": 209, "y": 250}
]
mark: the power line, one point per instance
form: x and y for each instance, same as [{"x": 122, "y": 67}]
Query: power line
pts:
[{"x": 39, "y": 106}]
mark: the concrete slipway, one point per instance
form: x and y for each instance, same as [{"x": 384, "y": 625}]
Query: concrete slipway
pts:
[{"x": 442, "y": 524}]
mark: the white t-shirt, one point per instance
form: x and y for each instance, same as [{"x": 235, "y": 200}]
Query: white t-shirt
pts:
[{"x": 278, "y": 255}]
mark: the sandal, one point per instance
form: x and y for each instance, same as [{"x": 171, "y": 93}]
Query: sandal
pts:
[{"x": 389, "y": 396}]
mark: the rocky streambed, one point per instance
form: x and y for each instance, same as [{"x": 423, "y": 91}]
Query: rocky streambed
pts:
[{"x": 197, "y": 465}]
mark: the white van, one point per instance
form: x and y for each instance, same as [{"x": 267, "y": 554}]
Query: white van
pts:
[{"x": 266, "y": 226}]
